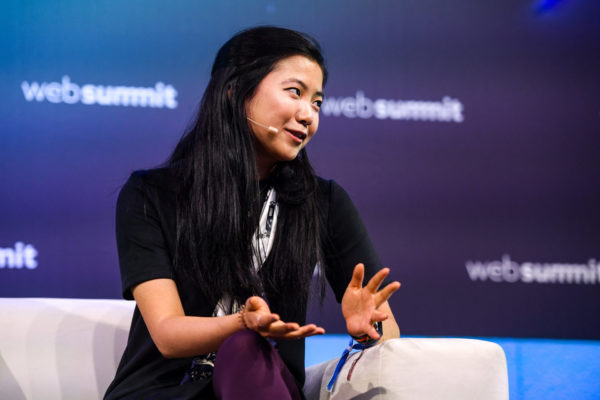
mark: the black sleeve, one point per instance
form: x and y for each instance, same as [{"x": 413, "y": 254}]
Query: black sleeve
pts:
[
  {"x": 346, "y": 242},
  {"x": 140, "y": 239}
]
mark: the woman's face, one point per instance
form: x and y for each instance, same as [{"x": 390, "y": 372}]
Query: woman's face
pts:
[{"x": 287, "y": 99}]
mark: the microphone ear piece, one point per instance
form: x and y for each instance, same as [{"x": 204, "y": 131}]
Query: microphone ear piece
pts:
[{"x": 270, "y": 129}]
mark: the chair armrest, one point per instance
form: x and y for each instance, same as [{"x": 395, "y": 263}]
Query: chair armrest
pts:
[{"x": 416, "y": 368}]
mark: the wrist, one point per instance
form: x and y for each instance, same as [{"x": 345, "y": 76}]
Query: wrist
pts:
[
  {"x": 366, "y": 339},
  {"x": 242, "y": 318}
]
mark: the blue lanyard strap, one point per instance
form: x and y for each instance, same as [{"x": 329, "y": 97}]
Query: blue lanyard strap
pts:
[{"x": 344, "y": 357}]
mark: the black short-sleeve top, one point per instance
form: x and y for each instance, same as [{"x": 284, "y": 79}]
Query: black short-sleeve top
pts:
[{"x": 145, "y": 230}]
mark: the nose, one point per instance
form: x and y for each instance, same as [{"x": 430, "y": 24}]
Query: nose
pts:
[{"x": 305, "y": 113}]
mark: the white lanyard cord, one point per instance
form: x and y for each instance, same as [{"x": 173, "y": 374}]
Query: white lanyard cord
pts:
[{"x": 262, "y": 243}]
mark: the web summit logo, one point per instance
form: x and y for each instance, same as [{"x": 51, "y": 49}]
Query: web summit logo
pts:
[
  {"x": 159, "y": 96},
  {"x": 21, "y": 256},
  {"x": 507, "y": 270},
  {"x": 360, "y": 106}
]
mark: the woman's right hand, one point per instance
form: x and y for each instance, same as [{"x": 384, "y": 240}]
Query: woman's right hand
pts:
[
  {"x": 258, "y": 316},
  {"x": 177, "y": 335}
]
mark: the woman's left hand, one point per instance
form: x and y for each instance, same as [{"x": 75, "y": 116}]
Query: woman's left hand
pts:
[{"x": 360, "y": 304}]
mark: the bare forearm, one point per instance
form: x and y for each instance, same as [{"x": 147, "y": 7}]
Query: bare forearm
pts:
[
  {"x": 390, "y": 328},
  {"x": 177, "y": 335},
  {"x": 174, "y": 333},
  {"x": 184, "y": 336}
]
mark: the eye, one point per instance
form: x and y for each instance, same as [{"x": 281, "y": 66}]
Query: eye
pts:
[
  {"x": 294, "y": 90},
  {"x": 318, "y": 103}
]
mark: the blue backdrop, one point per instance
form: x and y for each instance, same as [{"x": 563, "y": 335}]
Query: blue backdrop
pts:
[{"x": 466, "y": 132}]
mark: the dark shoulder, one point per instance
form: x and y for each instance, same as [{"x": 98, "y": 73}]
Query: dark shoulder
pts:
[
  {"x": 157, "y": 178},
  {"x": 323, "y": 191},
  {"x": 323, "y": 185},
  {"x": 334, "y": 203},
  {"x": 330, "y": 192},
  {"x": 144, "y": 187}
]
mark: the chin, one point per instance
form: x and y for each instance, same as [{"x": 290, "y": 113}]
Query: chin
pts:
[{"x": 288, "y": 156}]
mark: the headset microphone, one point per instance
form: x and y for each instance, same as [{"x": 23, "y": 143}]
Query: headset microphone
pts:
[{"x": 271, "y": 129}]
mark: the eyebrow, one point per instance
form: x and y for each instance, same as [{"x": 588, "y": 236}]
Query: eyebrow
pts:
[{"x": 301, "y": 83}]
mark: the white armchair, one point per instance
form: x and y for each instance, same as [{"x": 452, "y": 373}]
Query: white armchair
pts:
[
  {"x": 70, "y": 348},
  {"x": 416, "y": 368}
]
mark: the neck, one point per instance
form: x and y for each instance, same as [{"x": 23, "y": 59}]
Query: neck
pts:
[{"x": 264, "y": 169}]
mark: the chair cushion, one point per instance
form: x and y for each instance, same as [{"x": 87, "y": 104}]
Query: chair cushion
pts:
[
  {"x": 416, "y": 368},
  {"x": 60, "y": 348}
]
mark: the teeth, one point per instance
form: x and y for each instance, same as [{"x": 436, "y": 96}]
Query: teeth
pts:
[{"x": 300, "y": 136}]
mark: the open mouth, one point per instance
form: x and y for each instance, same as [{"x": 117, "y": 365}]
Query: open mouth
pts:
[{"x": 300, "y": 136}]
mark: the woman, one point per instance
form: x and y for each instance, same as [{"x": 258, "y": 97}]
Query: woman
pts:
[{"x": 219, "y": 246}]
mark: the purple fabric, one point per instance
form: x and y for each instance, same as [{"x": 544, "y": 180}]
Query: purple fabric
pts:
[{"x": 248, "y": 367}]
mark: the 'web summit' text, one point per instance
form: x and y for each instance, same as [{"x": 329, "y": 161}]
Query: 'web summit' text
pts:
[
  {"x": 507, "y": 270},
  {"x": 67, "y": 92},
  {"x": 360, "y": 106},
  {"x": 21, "y": 256}
]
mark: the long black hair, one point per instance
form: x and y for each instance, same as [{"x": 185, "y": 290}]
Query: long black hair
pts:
[{"x": 218, "y": 191}]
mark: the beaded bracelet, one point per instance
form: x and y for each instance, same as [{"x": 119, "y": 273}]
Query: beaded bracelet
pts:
[{"x": 242, "y": 314}]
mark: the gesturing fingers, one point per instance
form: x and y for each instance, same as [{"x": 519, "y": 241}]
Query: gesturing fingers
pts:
[
  {"x": 378, "y": 316},
  {"x": 258, "y": 321},
  {"x": 384, "y": 294},
  {"x": 255, "y": 303},
  {"x": 357, "y": 276},
  {"x": 372, "y": 332},
  {"x": 257, "y": 315},
  {"x": 305, "y": 331},
  {"x": 291, "y": 330},
  {"x": 280, "y": 328},
  {"x": 376, "y": 280}
]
